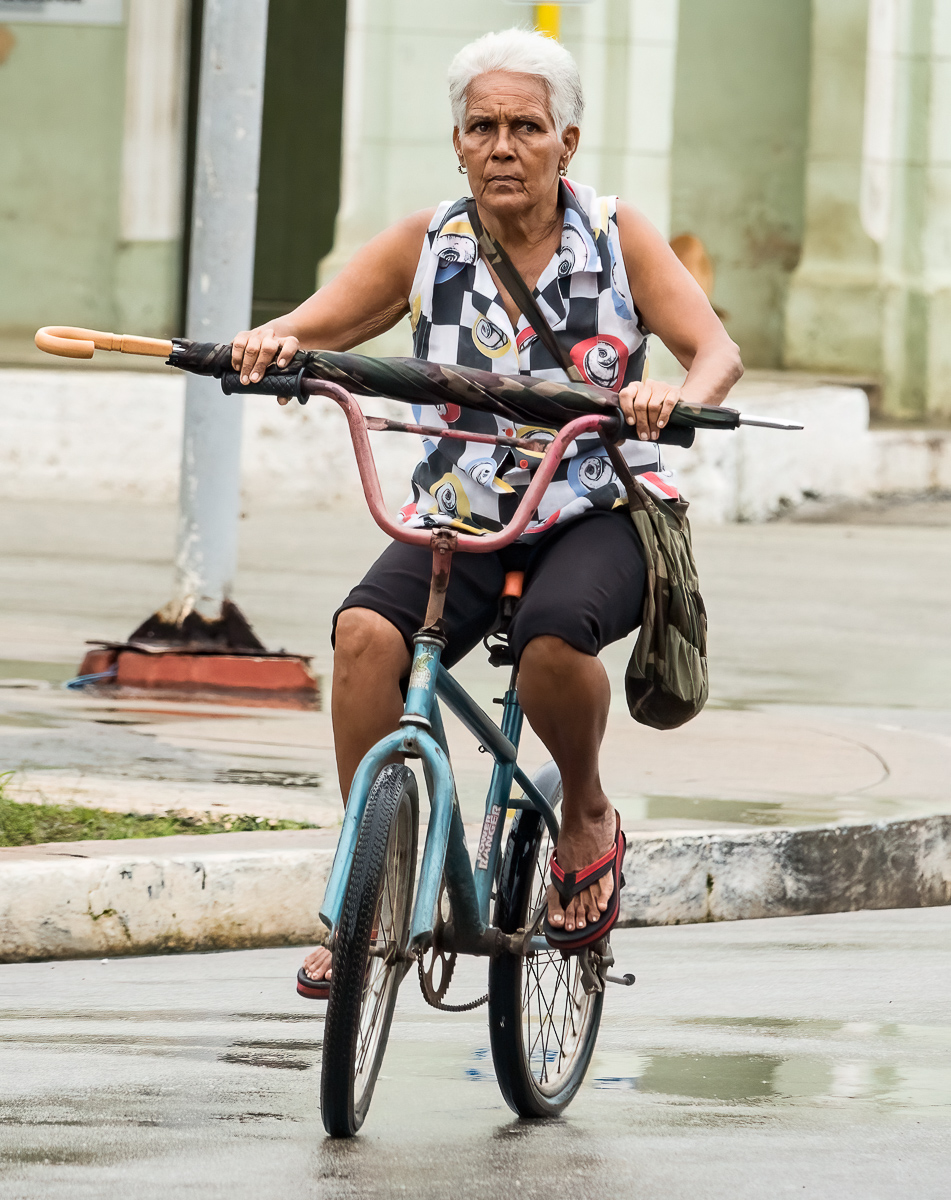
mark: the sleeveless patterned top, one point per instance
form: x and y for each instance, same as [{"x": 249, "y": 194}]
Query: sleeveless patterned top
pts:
[{"x": 457, "y": 316}]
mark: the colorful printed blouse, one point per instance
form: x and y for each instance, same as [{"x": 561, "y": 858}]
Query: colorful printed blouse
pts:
[{"x": 457, "y": 316}]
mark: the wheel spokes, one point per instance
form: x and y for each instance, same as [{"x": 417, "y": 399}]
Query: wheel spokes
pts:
[
  {"x": 554, "y": 1004},
  {"x": 382, "y": 952}
]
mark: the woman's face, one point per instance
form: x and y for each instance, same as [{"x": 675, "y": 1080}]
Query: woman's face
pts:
[{"x": 510, "y": 146}]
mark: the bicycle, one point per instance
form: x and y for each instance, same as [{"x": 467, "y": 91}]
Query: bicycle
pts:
[
  {"x": 544, "y": 1009},
  {"x": 544, "y": 1006}
]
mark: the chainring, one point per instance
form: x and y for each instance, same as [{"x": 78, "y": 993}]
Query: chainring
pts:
[{"x": 436, "y": 965}]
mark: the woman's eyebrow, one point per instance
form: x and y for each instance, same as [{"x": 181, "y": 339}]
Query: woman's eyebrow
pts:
[{"x": 506, "y": 118}]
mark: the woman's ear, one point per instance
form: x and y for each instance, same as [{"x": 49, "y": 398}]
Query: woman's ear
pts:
[
  {"x": 456, "y": 143},
  {"x": 571, "y": 137}
]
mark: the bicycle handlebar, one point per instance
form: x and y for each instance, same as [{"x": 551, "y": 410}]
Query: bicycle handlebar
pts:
[
  {"x": 684, "y": 418},
  {"x": 474, "y": 543},
  {"x": 71, "y": 342}
]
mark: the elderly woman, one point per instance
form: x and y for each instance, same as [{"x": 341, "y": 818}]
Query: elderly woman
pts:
[{"x": 604, "y": 278}]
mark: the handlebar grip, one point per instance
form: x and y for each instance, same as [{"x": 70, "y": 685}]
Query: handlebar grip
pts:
[
  {"x": 673, "y": 434},
  {"x": 273, "y": 383},
  {"x": 684, "y": 421}
]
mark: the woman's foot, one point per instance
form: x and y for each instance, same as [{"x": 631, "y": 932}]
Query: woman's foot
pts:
[
  {"x": 317, "y": 965},
  {"x": 578, "y": 848}
]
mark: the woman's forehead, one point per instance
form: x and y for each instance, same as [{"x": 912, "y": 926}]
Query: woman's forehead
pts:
[{"x": 508, "y": 91}]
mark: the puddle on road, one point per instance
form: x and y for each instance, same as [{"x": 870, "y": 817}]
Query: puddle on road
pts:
[
  {"x": 729, "y": 812},
  {"x": 728, "y": 1078},
  {"x": 759, "y": 1079},
  {"x": 30, "y": 720},
  {"x": 273, "y": 1060},
  {"x": 15, "y": 670}
]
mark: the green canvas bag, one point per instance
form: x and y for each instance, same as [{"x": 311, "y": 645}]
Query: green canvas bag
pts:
[{"x": 666, "y": 681}]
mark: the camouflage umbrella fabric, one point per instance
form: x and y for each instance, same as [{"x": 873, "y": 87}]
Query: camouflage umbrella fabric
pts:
[
  {"x": 521, "y": 398},
  {"x": 416, "y": 381}
]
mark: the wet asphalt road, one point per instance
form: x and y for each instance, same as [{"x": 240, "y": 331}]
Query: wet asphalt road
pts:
[{"x": 807, "y": 1057}]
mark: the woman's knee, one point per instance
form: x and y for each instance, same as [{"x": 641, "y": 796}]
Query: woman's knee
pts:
[
  {"x": 362, "y": 636},
  {"x": 548, "y": 654}
]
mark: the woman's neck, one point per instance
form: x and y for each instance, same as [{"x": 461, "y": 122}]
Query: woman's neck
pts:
[{"x": 526, "y": 229}]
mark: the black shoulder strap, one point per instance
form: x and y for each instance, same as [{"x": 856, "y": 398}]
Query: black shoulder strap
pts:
[{"x": 519, "y": 290}]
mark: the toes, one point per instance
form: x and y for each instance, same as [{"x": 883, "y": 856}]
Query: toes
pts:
[
  {"x": 317, "y": 964},
  {"x": 556, "y": 915}
]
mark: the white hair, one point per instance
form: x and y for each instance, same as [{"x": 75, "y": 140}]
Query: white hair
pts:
[{"x": 528, "y": 53}]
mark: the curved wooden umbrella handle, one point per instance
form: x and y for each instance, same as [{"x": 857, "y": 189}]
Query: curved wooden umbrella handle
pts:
[{"x": 70, "y": 342}]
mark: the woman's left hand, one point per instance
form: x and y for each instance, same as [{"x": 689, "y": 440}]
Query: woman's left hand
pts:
[{"x": 648, "y": 405}]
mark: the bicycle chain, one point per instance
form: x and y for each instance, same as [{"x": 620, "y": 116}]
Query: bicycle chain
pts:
[{"x": 456, "y": 1008}]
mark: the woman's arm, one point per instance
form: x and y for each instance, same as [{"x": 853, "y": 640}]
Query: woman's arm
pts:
[
  {"x": 368, "y": 297},
  {"x": 674, "y": 307}
]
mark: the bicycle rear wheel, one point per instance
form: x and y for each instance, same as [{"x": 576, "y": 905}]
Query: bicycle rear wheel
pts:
[
  {"x": 369, "y": 951},
  {"x": 542, "y": 1024}
]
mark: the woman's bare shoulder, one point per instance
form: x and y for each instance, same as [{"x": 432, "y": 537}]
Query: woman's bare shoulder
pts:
[
  {"x": 635, "y": 230},
  {"x": 413, "y": 228},
  {"x": 400, "y": 244}
]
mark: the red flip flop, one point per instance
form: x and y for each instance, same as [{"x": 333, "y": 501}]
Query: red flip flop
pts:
[
  {"x": 571, "y": 883},
  {"x": 312, "y": 989}
]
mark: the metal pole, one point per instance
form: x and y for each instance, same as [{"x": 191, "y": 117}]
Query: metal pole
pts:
[{"x": 220, "y": 280}]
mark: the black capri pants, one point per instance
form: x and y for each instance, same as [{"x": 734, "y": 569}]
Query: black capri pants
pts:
[{"x": 584, "y": 583}]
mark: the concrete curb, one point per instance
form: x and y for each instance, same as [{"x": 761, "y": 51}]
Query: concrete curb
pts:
[
  {"x": 213, "y": 893},
  {"x": 148, "y": 899},
  {"x": 787, "y": 872}
]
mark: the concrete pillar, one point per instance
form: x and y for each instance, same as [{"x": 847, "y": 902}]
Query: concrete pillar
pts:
[
  {"x": 627, "y": 53},
  {"x": 740, "y": 129},
  {"x": 153, "y": 152},
  {"x": 872, "y": 293},
  {"x": 231, "y": 89}
]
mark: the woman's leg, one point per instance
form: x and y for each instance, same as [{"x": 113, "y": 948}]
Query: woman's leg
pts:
[
  {"x": 371, "y": 652},
  {"x": 566, "y": 695},
  {"x": 370, "y": 659},
  {"x": 583, "y": 590}
]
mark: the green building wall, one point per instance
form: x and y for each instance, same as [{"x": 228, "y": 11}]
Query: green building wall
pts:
[
  {"x": 61, "y": 120},
  {"x": 740, "y": 129}
]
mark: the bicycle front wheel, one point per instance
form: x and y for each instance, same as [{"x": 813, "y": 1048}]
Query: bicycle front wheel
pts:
[
  {"x": 542, "y": 1024},
  {"x": 369, "y": 951}
]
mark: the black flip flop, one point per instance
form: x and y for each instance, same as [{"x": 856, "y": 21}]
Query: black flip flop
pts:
[
  {"x": 312, "y": 989},
  {"x": 571, "y": 883}
]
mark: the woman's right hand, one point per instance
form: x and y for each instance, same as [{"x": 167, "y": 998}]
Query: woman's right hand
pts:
[{"x": 255, "y": 349}]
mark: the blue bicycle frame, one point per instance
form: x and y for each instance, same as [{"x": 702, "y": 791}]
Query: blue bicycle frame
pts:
[{"x": 421, "y": 735}]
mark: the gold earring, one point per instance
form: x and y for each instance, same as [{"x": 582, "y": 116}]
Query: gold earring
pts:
[
  {"x": 462, "y": 169},
  {"x": 563, "y": 171}
]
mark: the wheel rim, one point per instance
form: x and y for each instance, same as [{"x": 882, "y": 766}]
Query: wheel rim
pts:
[
  {"x": 556, "y": 1011},
  {"x": 383, "y": 962}
]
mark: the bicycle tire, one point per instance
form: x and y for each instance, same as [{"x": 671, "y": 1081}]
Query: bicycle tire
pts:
[
  {"x": 371, "y": 939},
  {"x": 528, "y": 997}
]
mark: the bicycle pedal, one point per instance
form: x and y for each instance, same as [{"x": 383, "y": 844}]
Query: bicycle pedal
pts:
[{"x": 627, "y": 980}]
